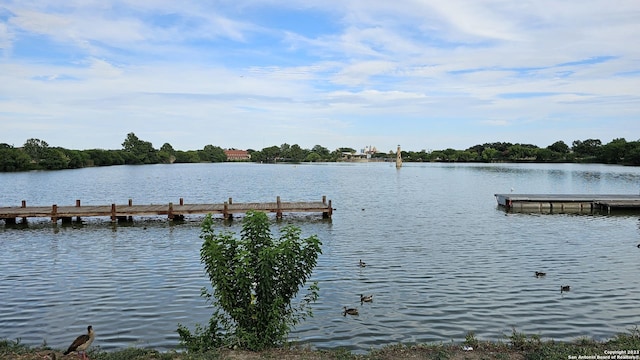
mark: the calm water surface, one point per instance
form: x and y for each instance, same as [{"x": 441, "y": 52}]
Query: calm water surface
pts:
[{"x": 443, "y": 259}]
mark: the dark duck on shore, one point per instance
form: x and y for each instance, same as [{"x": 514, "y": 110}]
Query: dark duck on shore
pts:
[
  {"x": 350, "y": 311},
  {"x": 81, "y": 343}
]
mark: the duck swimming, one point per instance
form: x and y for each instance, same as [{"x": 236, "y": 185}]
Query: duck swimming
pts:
[
  {"x": 564, "y": 288},
  {"x": 364, "y": 299},
  {"x": 362, "y": 263},
  {"x": 350, "y": 311},
  {"x": 539, "y": 274}
]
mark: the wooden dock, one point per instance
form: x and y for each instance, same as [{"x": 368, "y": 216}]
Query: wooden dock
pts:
[
  {"x": 173, "y": 211},
  {"x": 562, "y": 203}
]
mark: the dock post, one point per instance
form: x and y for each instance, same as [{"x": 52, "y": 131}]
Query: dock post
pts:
[
  {"x": 230, "y": 201},
  {"x": 129, "y": 218},
  {"x": 181, "y": 201},
  {"x": 324, "y": 199},
  {"x": 225, "y": 211},
  {"x": 24, "y": 205},
  {"x": 170, "y": 213},
  {"x": 114, "y": 218},
  {"x": 78, "y": 205},
  {"x": 54, "y": 213},
  {"x": 329, "y": 211},
  {"x": 398, "y": 158},
  {"x": 278, "y": 208}
]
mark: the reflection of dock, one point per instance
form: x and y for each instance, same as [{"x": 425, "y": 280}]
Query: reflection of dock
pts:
[
  {"x": 171, "y": 210},
  {"x": 562, "y": 203}
]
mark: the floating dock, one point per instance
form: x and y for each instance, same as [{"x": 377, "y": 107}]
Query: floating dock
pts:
[
  {"x": 173, "y": 211},
  {"x": 562, "y": 203}
]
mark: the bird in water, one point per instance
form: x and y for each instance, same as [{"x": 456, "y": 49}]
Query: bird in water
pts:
[
  {"x": 350, "y": 311},
  {"x": 362, "y": 263},
  {"x": 540, "y": 274},
  {"x": 81, "y": 343},
  {"x": 364, "y": 299},
  {"x": 564, "y": 288}
]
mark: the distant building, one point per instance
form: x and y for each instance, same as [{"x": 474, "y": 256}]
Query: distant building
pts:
[
  {"x": 369, "y": 150},
  {"x": 237, "y": 155},
  {"x": 365, "y": 154}
]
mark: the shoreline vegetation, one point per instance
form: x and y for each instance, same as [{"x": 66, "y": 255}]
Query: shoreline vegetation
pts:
[
  {"x": 36, "y": 154},
  {"x": 517, "y": 346}
]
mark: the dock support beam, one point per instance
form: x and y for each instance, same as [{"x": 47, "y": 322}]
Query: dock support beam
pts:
[
  {"x": 329, "y": 211},
  {"x": 24, "y": 205},
  {"x": 278, "y": 208},
  {"x": 225, "y": 212},
  {"x": 78, "y": 205},
  {"x": 54, "y": 213},
  {"x": 114, "y": 218}
]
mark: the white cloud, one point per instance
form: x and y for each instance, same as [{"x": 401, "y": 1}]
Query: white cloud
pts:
[{"x": 455, "y": 71}]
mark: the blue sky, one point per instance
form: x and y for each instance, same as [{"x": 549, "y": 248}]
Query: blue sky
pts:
[{"x": 425, "y": 74}]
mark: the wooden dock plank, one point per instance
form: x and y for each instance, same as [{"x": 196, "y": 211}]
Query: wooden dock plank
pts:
[
  {"x": 171, "y": 210},
  {"x": 568, "y": 202}
]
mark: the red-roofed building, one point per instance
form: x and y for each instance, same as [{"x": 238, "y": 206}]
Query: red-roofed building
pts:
[{"x": 237, "y": 155}]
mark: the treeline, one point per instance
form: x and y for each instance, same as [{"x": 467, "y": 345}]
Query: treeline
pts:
[
  {"x": 36, "y": 154},
  {"x": 618, "y": 151}
]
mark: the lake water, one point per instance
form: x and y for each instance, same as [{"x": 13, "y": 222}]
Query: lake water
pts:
[{"x": 443, "y": 258}]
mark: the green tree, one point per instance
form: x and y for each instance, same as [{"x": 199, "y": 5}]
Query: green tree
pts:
[
  {"x": 12, "y": 159},
  {"x": 296, "y": 153},
  {"x": 254, "y": 280},
  {"x": 212, "y": 154},
  {"x": 633, "y": 153},
  {"x": 270, "y": 154},
  {"x": 546, "y": 154},
  {"x": 614, "y": 152},
  {"x": 166, "y": 147},
  {"x": 190, "y": 156},
  {"x": 285, "y": 151},
  {"x": 140, "y": 151},
  {"x": 313, "y": 157},
  {"x": 36, "y": 149},
  {"x": 347, "y": 150},
  {"x": 521, "y": 152},
  {"x": 490, "y": 154},
  {"x": 559, "y": 147},
  {"x": 167, "y": 154},
  {"x": 587, "y": 148},
  {"x": 77, "y": 158},
  {"x": 54, "y": 159},
  {"x": 322, "y": 151}
]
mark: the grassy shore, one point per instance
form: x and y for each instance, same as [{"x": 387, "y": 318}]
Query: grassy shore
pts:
[{"x": 517, "y": 346}]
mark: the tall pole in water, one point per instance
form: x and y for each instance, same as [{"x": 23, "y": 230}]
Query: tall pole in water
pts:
[{"x": 398, "y": 158}]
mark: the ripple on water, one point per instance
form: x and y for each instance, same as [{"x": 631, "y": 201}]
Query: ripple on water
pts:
[{"x": 442, "y": 260}]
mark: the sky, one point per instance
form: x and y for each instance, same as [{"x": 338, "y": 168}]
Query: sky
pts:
[{"x": 249, "y": 74}]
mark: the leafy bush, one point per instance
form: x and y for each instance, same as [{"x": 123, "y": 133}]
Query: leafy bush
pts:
[{"x": 254, "y": 280}]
